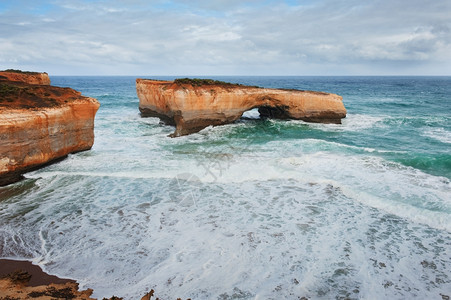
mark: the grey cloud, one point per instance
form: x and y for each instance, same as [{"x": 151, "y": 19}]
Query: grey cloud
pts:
[{"x": 237, "y": 37}]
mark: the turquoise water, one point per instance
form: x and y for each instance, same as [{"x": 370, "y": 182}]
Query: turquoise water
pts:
[{"x": 258, "y": 209}]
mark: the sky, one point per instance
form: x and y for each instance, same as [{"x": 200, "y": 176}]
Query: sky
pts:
[{"x": 226, "y": 37}]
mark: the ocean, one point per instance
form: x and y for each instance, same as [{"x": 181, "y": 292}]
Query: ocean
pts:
[{"x": 258, "y": 209}]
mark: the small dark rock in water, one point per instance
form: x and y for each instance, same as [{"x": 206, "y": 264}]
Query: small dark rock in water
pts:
[
  {"x": 444, "y": 297},
  {"x": 237, "y": 294},
  {"x": 427, "y": 264}
]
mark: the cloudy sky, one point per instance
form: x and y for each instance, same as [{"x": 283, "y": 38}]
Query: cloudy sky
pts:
[{"x": 227, "y": 37}]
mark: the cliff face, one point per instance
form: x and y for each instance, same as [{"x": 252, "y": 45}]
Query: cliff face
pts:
[
  {"x": 28, "y": 77},
  {"x": 192, "y": 107},
  {"x": 41, "y": 123}
]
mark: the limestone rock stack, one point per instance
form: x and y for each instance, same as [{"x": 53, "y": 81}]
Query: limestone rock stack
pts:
[
  {"x": 40, "y": 123},
  {"x": 193, "y": 104}
]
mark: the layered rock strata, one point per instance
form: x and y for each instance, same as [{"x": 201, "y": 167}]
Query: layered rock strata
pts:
[
  {"x": 193, "y": 104},
  {"x": 40, "y": 123}
]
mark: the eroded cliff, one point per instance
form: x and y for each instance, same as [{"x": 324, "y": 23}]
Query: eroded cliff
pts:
[
  {"x": 27, "y": 77},
  {"x": 192, "y": 105},
  {"x": 40, "y": 123}
]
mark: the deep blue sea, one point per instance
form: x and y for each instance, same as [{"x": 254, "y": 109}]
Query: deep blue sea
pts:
[{"x": 258, "y": 209}]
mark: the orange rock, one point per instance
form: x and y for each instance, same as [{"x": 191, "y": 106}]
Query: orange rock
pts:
[
  {"x": 10, "y": 290},
  {"x": 40, "y": 124},
  {"x": 192, "y": 106},
  {"x": 27, "y": 77}
]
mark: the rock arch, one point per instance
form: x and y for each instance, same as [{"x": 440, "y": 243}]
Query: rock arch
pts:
[{"x": 192, "y": 105}]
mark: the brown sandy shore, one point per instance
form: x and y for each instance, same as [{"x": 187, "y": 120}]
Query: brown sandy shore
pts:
[{"x": 23, "y": 280}]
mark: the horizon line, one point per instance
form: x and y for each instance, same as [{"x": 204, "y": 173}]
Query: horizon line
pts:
[{"x": 187, "y": 76}]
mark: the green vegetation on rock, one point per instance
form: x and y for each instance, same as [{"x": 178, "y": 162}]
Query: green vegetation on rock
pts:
[
  {"x": 19, "y": 71},
  {"x": 7, "y": 89},
  {"x": 18, "y": 95},
  {"x": 201, "y": 81}
]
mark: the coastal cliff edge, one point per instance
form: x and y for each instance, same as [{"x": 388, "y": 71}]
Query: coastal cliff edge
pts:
[{"x": 40, "y": 123}]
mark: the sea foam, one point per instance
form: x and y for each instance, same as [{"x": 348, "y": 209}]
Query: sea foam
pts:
[{"x": 258, "y": 209}]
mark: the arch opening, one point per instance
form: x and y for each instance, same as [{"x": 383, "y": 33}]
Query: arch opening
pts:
[
  {"x": 266, "y": 112},
  {"x": 273, "y": 112}
]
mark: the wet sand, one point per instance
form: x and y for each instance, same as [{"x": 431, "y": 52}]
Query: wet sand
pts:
[
  {"x": 20, "y": 280},
  {"x": 37, "y": 284},
  {"x": 38, "y": 277}
]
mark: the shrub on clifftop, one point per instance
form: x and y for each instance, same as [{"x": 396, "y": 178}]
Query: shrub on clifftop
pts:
[{"x": 200, "y": 82}]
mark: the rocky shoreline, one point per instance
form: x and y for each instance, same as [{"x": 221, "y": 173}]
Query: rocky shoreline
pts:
[{"x": 23, "y": 280}]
